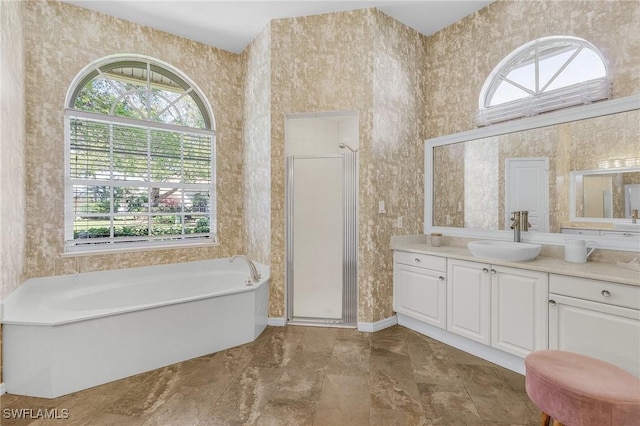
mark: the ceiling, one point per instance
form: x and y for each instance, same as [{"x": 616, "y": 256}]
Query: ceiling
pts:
[{"x": 231, "y": 25}]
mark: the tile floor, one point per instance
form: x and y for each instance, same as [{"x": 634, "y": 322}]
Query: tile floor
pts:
[{"x": 306, "y": 376}]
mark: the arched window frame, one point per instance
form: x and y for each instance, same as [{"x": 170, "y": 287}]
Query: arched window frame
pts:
[
  {"x": 540, "y": 101},
  {"x": 194, "y": 157}
]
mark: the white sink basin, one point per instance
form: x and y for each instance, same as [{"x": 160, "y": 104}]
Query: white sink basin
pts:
[
  {"x": 627, "y": 226},
  {"x": 504, "y": 250}
]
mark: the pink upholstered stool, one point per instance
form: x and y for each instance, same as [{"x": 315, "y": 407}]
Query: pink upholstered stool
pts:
[{"x": 575, "y": 389}]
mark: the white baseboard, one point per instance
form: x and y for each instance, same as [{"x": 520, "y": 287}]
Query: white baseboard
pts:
[
  {"x": 276, "y": 322},
  {"x": 372, "y": 327},
  {"x": 488, "y": 353},
  {"x": 3, "y": 388}
]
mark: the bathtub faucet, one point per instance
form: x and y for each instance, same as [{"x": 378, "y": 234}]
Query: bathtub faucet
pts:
[{"x": 254, "y": 276}]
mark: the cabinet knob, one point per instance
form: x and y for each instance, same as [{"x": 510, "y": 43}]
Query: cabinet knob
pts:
[
  {"x": 417, "y": 260},
  {"x": 485, "y": 270},
  {"x": 493, "y": 271},
  {"x": 605, "y": 293},
  {"x": 552, "y": 302},
  {"x": 441, "y": 278}
]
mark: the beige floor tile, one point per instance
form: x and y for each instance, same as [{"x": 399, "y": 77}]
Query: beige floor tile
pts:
[
  {"x": 433, "y": 370},
  {"x": 279, "y": 412},
  {"x": 447, "y": 405},
  {"x": 303, "y": 376},
  {"x": 182, "y": 408},
  {"x": 462, "y": 357},
  {"x": 503, "y": 406},
  {"x": 277, "y": 347},
  {"x": 145, "y": 392},
  {"x": 389, "y": 346},
  {"x": 393, "y": 385},
  {"x": 386, "y": 417},
  {"x": 246, "y": 395},
  {"x": 353, "y": 334},
  {"x": 350, "y": 357},
  {"x": 515, "y": 380},
  {"x": 481, "y": 379},
  {"x": 344, "y": 399},
  {"x": 318, "y": 339},
  {"x": 307, "y": 375}
]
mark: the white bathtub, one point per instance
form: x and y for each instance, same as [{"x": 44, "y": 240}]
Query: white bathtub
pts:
[{"x": 66, "y": 333}]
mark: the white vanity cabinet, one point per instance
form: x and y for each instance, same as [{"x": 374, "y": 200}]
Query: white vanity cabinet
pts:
[
  {"x": 519, "y": 316},
  {"x": 469, "y": 300},
  {"x": 503, "y": 313},
  {"x": 420, "y": 287},
  {"x": 498, "y": 306},
  {"x": 595, "y": 318}
]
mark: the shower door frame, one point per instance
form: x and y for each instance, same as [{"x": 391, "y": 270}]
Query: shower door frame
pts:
[{"x": 349, "y": 242}]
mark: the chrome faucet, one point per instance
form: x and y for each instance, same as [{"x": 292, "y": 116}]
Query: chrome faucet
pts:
[
  {"x": 515, "y": 225},
  {"x": 634, "y": 215},
  {"x": 520, "y": 222},
  {"x": 524, "y": 221},
  {"x": 254, "y": 275}
]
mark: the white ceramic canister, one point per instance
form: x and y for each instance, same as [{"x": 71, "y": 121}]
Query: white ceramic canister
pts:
[{"x": 577, "y": 251}]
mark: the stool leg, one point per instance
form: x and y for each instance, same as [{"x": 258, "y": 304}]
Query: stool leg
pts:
[{"x": 544, "y": 419}]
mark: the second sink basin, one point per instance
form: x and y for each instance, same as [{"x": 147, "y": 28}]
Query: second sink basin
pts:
[{"x": 504, "y": 250}]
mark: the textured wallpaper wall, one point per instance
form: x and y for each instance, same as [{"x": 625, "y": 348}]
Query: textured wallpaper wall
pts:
[
  {"x": 394, "y": 170},
  {"x": 318, "y": 63},
  {"x": 12, "y": 151},
  {"x": 12, "y": 148},
  {"x": 58, "y": 45},
  {"x": 256, "y": 139},
  {"x": 405, "y": 87},
  {"x": 461, "y": 56},
  {"x": 363, "y": 61}
]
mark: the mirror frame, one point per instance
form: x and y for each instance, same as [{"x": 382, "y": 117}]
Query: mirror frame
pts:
[
  {"x": 597, "y": 109},
  {"x": 572, "y": 194}
]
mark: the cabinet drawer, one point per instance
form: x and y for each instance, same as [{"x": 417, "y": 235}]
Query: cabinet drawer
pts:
[
  {"x": 620, "y": 234},
  {"x": 435, "y": 263},
  {"x": 624, "y": 295},
  {"x": 580, "y": 231}
]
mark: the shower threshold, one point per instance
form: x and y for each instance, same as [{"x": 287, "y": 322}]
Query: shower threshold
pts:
[{"x": 320, "y": 322}]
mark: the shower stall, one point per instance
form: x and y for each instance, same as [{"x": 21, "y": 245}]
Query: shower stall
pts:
[{"x": 321, "y": 218}]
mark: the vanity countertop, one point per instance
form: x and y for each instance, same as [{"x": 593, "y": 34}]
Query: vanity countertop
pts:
[{"x": 593, "y": 270}]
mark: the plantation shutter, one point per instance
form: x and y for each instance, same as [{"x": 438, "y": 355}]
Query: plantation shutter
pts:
[{"x": 161, "y": 177}]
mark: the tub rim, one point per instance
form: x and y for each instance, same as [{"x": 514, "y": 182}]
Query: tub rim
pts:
[{"x": 92, "y": 314}]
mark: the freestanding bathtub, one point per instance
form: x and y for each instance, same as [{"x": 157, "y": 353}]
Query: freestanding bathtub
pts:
[{"x": 66, "y": 333}]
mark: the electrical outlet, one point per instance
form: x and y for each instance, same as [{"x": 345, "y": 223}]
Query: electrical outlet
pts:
[
  {"x": 381, "y": 208},
  {"x": 399, "y": 222},
  {"x": 448, "y": 219}
]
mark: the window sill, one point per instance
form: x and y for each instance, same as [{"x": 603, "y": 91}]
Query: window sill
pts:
[{"x": 138, "y": 248}]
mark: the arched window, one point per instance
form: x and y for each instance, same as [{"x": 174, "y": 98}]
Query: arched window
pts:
[
  {"x": 139, "y": 146},
  {"x": 545, "y": 74}
]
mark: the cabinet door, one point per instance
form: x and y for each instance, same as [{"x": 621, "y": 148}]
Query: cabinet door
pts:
[
  {"x": 610, "y": 333},
  {"x": 519, "y": 310},
  {"x": 420, "y": 293},
  {"x": 468, "y": 300}
]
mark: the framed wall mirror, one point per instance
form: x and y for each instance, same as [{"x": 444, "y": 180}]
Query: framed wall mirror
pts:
[
  {"x": 605, "y": 195},
  {"x": 570, "y": 169}
]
